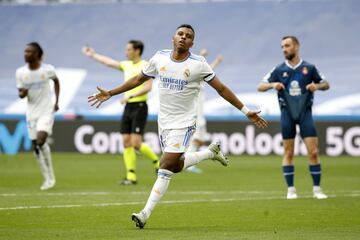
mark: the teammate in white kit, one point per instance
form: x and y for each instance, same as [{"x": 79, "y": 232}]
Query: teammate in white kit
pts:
[
  {"x": 32, "y": 81},
  {"x": 200, "y": 137},
  {"x": 179, "y": 74}
]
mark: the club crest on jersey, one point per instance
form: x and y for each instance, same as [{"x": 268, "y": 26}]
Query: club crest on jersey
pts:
[
  {"x": 187, "y": 73},
  {"x": 305, "y": 71},
  {"x": 285, "y": 74}
]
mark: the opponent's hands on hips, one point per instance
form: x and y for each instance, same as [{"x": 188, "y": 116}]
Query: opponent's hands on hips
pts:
[
  {"x": 257, "y": 119},
  {"x": 98, "y": 98},
  {"x": 311, "y": 87},
  {"x": 278, "y": 86}
]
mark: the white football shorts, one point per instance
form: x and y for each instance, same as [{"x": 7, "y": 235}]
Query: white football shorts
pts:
[
  {"x": 43, "y": 123},
  {"x": 176, "y": 140}
]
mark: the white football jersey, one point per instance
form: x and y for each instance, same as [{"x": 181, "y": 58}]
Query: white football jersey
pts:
[
  {"x": 179, "y": 86},
  {"x": 39, "y": 98},
  {"x": 201, "y": 121}
]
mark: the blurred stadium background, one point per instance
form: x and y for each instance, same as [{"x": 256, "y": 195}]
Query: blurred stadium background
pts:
[{"x": 246, "y": 33}]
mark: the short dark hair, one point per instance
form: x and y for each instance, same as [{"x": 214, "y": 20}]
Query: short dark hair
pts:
[
  {"x": 38, "y": 48},
  {"x": 186, "y": 26},
  {"x": 293, "y": 38},
  {"x": 137, "y": 44}
]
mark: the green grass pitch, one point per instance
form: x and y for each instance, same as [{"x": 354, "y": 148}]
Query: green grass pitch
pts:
[{"x": 243, "y": 201}]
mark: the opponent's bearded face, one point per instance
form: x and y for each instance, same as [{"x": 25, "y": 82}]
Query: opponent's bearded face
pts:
[
  {"x": 289, "y": 48},
  {"x": 183, "y": 39}
]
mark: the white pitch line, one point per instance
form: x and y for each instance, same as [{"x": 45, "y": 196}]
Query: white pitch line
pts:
[
  {"x": 166, "y": 202},
  {"x": 44, "y": 194},
  {"x": 131, "y": 193}
]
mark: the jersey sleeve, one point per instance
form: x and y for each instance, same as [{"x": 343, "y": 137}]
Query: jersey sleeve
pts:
[
  {"x": 150, "y": 69},
  {"x": 270, "y": 76},
  {"x": 51, "y": 72},
  {"x": 207, "y": 74},
  {"x": 317, "y": 77},
  {"x": 122, "y": 66},
  {"x": 19, "y": 81}
]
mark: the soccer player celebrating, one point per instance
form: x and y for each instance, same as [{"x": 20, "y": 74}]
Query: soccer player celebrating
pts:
[
  {"x": 136, "y": 110},
  {"x": 296, "y": 81},
  {"x": 179, "y": 73},
  {"x": 32, "y": 81}
]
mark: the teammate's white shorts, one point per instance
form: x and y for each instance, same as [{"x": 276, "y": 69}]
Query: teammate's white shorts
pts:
[
  {"x": 43, "y": 123},
  {"x": 176, "y": 140},
  {"x": 201, "y": 134}
]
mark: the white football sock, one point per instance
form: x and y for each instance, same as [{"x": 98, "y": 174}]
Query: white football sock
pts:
[
  {"x": 46, "y": 152},
  {"x": 43, "y": 166},
  {"x": 159, "y": 189},
  {"x": 193, "y": 158}
]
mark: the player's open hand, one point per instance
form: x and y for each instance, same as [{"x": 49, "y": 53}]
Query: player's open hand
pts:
[
  {"x": 257, "y": 119},
  {"x": 278, "y": 86},
  {"x": 98, "y": 98},
  {"x": 311, "y": 87},
  {"x": 88, "y": 51}
]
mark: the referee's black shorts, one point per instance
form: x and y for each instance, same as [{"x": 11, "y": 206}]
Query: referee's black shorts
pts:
[{"x": 134, "y": 118}]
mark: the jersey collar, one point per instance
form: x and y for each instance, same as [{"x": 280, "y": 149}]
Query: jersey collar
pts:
[{"x": 293, "y": 67}]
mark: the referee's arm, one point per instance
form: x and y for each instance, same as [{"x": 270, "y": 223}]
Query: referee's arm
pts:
[{"x": 107, "y": 61}]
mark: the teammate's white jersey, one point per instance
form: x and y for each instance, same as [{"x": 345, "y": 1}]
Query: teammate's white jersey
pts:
[
  {"x": 179, "y": 86},
  {"x": 39, "y": 98}
]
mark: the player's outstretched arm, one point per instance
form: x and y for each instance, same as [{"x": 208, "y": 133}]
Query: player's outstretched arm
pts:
[
  {"x": 88, "y": 51},
  {"x": 229, "y": 96},
  {"x": 104, "y": 95},
  {"x": 147, "y": 88}
]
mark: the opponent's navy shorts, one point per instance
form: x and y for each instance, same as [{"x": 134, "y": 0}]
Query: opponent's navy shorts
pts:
[{"x": 305, "y": 122}]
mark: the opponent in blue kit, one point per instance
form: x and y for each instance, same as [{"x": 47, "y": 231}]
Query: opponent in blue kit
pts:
[{"x": 296, "y": 81}]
